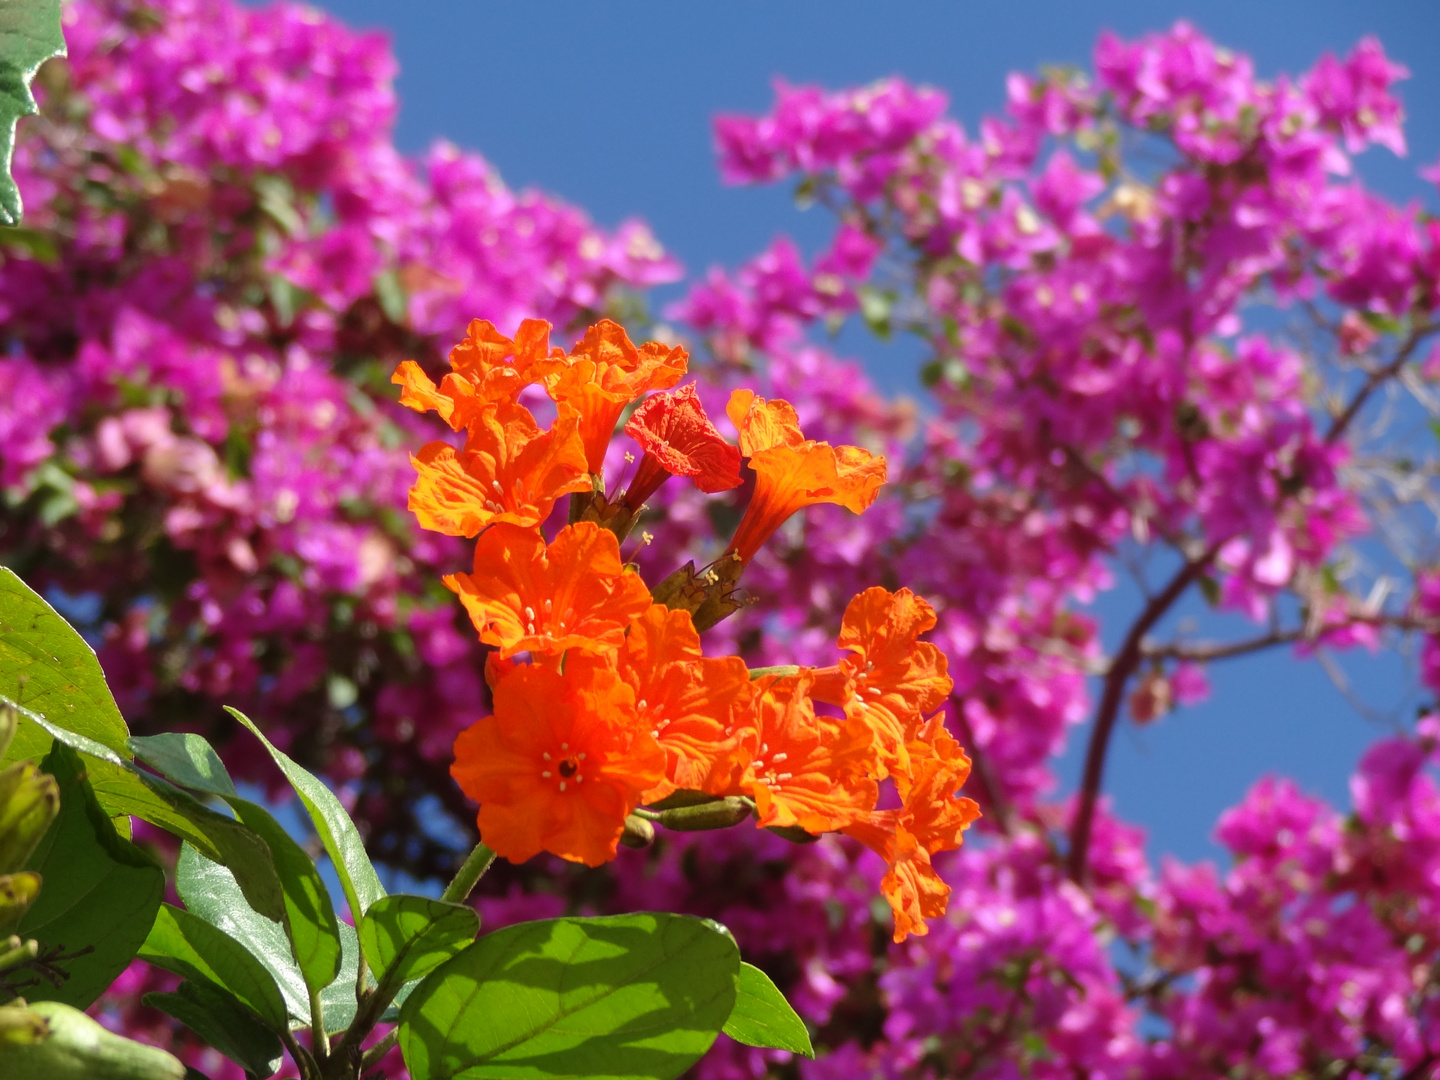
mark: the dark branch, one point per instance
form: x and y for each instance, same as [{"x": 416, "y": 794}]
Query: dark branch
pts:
[
  {"x": 1374, "y": 381},
  {"x": 1121, "y": 668}
]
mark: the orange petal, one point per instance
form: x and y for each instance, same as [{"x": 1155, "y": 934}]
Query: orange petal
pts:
[
  {"x": 790, "y": 478},
  {"x": 604, "y": 373},
  {"x": 807, "y": 770},
  {"x": 688, "y": 702},
  {"x": 674, "y": 431},
  {"x": 558, "y": 766},
  {"x": 509, "y": 472},
  {"x": 572, "y": 594}
]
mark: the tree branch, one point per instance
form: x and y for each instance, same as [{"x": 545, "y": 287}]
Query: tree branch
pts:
[
  {"x": 1374, "y": 381},
  {"x": 1205, "y": 651},
  {"x": 1121, "y": 668}
]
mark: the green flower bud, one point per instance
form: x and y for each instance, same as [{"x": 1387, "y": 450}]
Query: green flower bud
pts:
[
  {"x": 717, "y": 814},
  {"x": 29, "y": 801},
  {"x": 71, "y": 1046},
  {"x": 17, "y": 893}
]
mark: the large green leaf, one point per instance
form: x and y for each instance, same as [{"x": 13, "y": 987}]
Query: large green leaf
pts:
[
  {"x": 29, "y": 35},
  {"x": 762, "y": 1016},
  {"x": 183, "y": 942},
  {"x": 638, "y": 997},
  {"x": 99, "y": 892},
  {"x": 186, "y": 759},
  {"x": 44, "y": 664},
  {"x": 122, "y": 788},
  {"x": 410, "y": 935},
  {"x": 337, "y": 832},
  {"x": 222, "y": 1023},
  {"x": 211, "y": 893},
  {"x": 310, "y": 921}
]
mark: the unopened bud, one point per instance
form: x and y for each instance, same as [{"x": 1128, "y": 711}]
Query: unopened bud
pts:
[
  {"x": 29, "y": 801},
  {"x": 719, "y": 814},
  {"x": 638, "y": 833},
  {"x": 17, "y": 893},
  {"x": 57, "y": 1042}
]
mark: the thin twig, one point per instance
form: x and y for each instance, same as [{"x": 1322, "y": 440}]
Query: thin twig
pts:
[
  {"x": 1121, "y": 668},
  {"x": 1374, "y": 381}
]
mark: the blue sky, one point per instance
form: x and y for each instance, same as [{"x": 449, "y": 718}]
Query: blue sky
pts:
[{"x": 608, "y": 104}]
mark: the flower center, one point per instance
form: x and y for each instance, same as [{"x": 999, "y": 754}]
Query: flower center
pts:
[{"x": 568, "y": 768}]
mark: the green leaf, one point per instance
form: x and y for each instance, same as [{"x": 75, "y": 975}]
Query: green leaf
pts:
[
  {"x": 99, "y": 892},
  {"x": 29, "y": 35},
  {"x": 337, "y": 1001},
  {"x": 211, "y": 893},
  {"x": 220, "y": 1022},
  {"x": 635, "y": 996},
  {"x": 44, "y": 664},
  {"x": 124, "y": 789},
  {"x": 337, "y": 832},
  {"x": 184, "y": 943},
  {"x": 762, "y": 1016},
  {"x": 188, "y": 760},
  {"x": 310, "y": 921},
  {"x": 409, "y": 935}
]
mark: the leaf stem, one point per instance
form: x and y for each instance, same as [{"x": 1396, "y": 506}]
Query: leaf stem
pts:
[
  {"x": 380, "y": 1049},
  {"x": 476, "y": 863},
  {"x": 318, "y": 1039}
]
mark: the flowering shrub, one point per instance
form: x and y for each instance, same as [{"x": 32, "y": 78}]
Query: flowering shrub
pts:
[{"x": 1162, "y": 318}]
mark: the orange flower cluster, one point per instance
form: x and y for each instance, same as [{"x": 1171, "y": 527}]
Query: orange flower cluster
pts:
[{"x": 608, "y": 716}]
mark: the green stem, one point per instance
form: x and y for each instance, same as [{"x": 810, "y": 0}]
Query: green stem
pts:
[
  {"x": 372, "y": 1003},
  {"x": 476, "y": 863},
  {"x": 318, "y": 1039},
  {"x": 380, "y": 1049}
]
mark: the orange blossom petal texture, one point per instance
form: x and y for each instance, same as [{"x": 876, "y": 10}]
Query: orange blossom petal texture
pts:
[
  {"x": 792, "y": 472},
  {"x": 808, "y": 770},
  {"x": 509, "y": 471},
  {"x": 572, "y": 594},
  {"x": 604, "y": 373},
  {"x": 558, "y": 766},
  {"x": 890, "y": 680}
]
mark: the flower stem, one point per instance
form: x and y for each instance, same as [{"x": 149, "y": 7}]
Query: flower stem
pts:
[{"x": 476, "y": 863}]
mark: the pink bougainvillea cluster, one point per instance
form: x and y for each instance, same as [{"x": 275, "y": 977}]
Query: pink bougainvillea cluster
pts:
[{"x": 1161, "y": 317}]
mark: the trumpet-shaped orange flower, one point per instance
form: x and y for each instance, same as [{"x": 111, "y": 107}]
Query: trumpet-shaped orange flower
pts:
[
  {"x": 689, "y": 702},
  {"x": 890, "y": 679},
  {"x": 807, "y": 770},
  {"x": 932, "y": 819},
  {"x": 792, "y": 472},
  {"x": 509, "y": 471},
  {"x": 679, "y": 440},
  {"x": 559, "y": 765},
  {"x": 486, "y": 367},
  {"x": 604, "y": 373},
  {"x": 572, "y": 594}
]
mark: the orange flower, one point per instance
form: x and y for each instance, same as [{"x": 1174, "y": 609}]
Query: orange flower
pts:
[
  {"x": 573, "y": 594},
  {"x": 808, "y": 770},
  {"x": 603, "y": 374},
  {"x": 679, "y": 440},
  {"x": 792, "y": 472},
  {"x": 890, "y": 679},
  {"x": 559, "y": 765},
  {"x": 932, "y": 819},
  {"x": 689, "y": 702},
  {"x": 486, "y": 367},
  {"x": 509, "y": 471}
]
